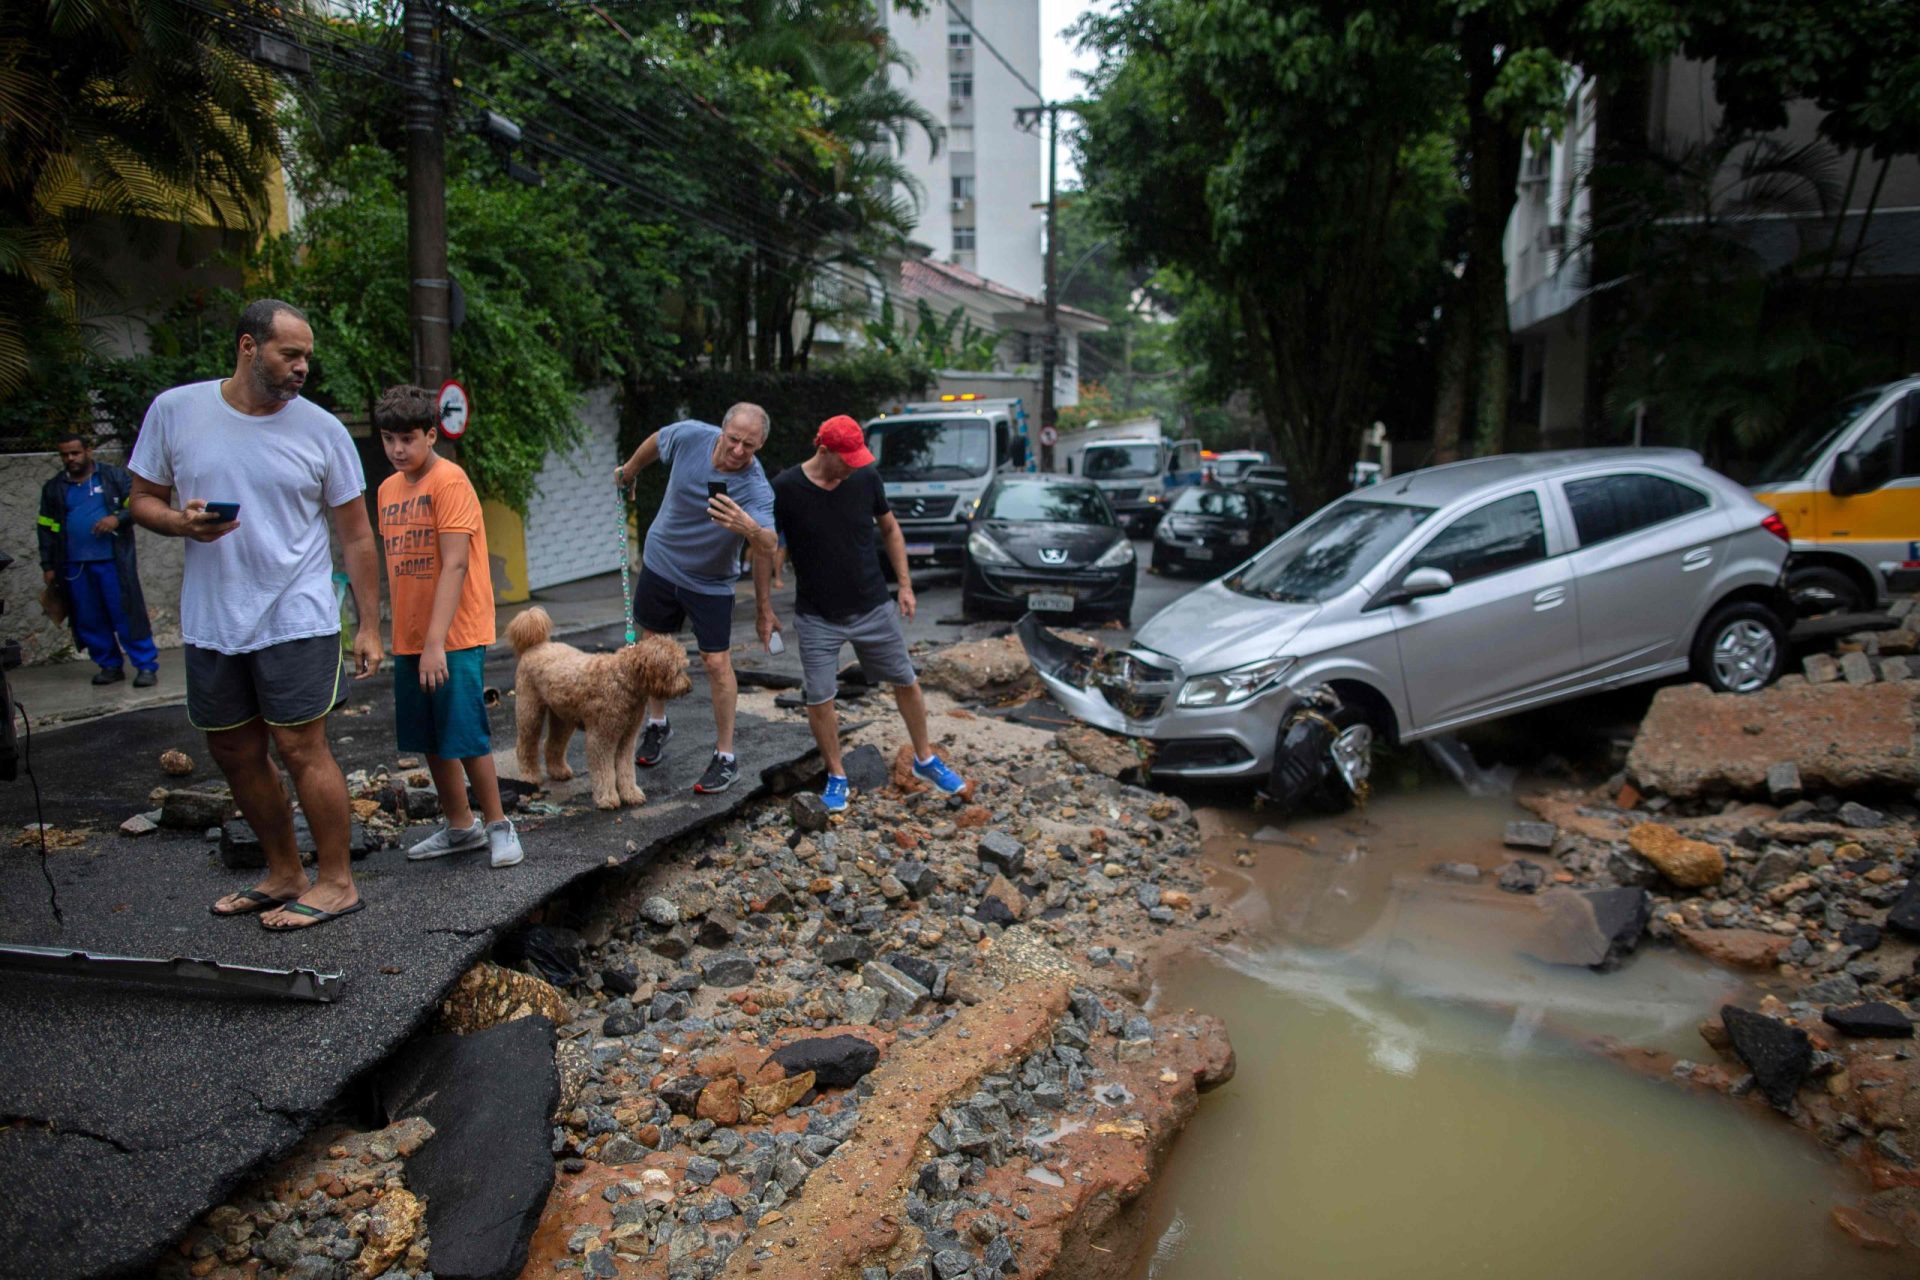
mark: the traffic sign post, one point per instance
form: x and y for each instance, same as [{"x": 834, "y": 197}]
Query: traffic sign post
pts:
[{"x": 456, "y": 409}]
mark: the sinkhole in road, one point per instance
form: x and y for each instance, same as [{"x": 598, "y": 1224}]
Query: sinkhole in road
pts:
[{"x": 1415, "y": 1098}]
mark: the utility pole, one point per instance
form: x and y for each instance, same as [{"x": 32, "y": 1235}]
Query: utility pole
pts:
[
  {"x": 1050, "y": 353},
  {"x": 430, "y": 293}
]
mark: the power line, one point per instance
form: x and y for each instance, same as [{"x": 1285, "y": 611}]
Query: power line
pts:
[{"x": 999, "y": 57}]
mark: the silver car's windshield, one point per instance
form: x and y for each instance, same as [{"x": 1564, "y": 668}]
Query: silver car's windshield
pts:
[
  {"x": 1327, "y": 554},
  {"x": 1795, "y": 456}
]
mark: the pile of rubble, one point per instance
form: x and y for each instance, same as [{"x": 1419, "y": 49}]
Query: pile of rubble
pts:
[
  {"x": 903, "y": 1041},
  {"x": 1775, "y": 834}
]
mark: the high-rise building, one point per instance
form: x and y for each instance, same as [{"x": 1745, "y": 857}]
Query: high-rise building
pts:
[{"x": 978, "y": 193}]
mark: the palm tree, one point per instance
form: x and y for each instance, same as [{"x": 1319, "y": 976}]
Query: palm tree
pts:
[
  {"x": 135, "y": 108},
  {"x": 841, "y": 196}
]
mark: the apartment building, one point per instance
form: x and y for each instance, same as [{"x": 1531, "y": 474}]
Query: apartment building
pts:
[{"x": 979, "y": 192}]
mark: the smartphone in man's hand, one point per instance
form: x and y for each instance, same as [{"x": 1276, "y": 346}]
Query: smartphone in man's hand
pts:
[
  {"x": 224, "y": 512},
  {"x": 716, "y": 488}
]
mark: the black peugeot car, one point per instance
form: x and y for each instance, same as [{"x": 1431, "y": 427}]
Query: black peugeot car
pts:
[
  {"x": 1209, "y": 530},
  {"x": 1050, "y": 545}
]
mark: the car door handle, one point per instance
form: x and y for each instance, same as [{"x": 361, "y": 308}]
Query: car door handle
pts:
[
  {"x": 1698, "y": 558},
  {"x": 1551, "y": 598}
]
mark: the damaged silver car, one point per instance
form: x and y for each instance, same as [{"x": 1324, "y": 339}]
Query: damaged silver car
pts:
[{"x": 1437, "y": 600}]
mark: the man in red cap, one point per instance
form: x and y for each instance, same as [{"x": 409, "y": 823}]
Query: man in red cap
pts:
[{"x": 828, "y": 509}]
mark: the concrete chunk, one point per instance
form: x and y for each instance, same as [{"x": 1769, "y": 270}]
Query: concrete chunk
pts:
[
  {"x": 1856, "y": 668},
  {"x": 904, "y": 995},
  {"x": 1531, "y": 835}
]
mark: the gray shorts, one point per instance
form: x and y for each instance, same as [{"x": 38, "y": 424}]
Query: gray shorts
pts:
[
  {"x": 286, "y": 684},
  {"x": 877, "y": 641}
]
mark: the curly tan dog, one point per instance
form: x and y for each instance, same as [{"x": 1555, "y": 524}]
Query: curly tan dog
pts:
[{"x": 559, "y": 687}]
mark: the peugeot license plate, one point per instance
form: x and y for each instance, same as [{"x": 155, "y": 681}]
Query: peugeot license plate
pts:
[
  {"x": 1199, "y": 553},
  {"x": 1050, "y": 602},
  {"x": 919, "y": 548}
]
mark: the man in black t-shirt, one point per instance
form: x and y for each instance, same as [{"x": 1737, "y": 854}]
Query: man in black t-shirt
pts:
[{"x": 828, "y": 509}]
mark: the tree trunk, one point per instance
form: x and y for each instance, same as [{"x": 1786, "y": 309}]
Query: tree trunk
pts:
[{"x": 1450, "y": 390}]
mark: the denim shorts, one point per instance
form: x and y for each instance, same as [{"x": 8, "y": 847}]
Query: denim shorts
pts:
[
  {"x": 450, "y": 722},
  {"x": 877, "y": 641}
]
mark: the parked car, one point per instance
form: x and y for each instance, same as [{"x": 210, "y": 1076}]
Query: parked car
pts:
[
  {"x": 1439, "y": 599},
  {"x": 1211, "y": 529},
  {"x": 1049, "y": 544},
  {"x": 1225, "y": 468},
  {"x": 1848, "y": 485}
]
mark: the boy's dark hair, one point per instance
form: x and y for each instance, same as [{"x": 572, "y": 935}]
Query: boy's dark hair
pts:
[
  {"x": 406, "y": 408},
  {"x": 65, "y": 436}
]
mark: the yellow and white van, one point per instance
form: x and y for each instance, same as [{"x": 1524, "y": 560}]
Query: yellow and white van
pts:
[{"x": 1848, "y": 486}]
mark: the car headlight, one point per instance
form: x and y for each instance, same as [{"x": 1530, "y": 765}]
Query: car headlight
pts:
[
  {"x": 1224, "y": 688},
  {"x": 1118, "y": 554},
  {"x": 985, "y": 549},
  {"x": 1164, "y": 531}
]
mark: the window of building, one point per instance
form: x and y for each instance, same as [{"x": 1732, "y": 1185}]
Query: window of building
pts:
[
  {"x": 962, "y": 239},
  {"x": 959, "y": 38},
  {"x": 1610, "y": 506},
  {"x": 960, "y": 86},
  {"x": 960, "y": 139},
  {"x": 963, "y": 187}
]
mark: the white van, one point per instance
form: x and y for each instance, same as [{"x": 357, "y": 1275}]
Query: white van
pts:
[{"x": 936, "y": 458}]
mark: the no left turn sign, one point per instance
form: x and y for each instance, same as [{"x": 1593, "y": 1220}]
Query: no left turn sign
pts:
[{"x": 456, "y": 409}]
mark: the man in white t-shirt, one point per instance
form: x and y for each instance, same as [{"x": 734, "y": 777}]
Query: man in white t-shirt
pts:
[{"x": 257, "y": 609}]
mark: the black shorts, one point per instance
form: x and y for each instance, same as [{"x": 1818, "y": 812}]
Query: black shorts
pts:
[
  {"x": 288, "y": 684},
  {"x": 660, "y": 606}
]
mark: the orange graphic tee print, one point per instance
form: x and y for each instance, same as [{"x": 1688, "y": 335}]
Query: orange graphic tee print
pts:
[{"x": 412, "y": 518}]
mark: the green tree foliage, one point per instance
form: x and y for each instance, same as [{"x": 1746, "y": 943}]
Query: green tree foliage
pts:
[
  {"x": 537, "y": 326},
  {"x": 1289, "y": 158},
  {"x": 950, "y": 342},
  {"x": 130, "y": 108}
]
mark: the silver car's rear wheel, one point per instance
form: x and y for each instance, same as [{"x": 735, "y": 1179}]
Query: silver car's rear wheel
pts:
[{"x": 1740, "y": 649}]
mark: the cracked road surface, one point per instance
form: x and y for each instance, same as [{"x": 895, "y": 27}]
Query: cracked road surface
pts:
[{"x": 125, "y": 1110}]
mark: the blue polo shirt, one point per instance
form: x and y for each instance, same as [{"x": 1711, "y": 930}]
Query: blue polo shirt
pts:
[
  {"x": 684, "y": 545},
  {"x": 86, "y": 506}
]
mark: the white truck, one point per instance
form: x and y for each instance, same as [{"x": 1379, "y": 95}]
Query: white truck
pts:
[
  {"x": 937, "y": 457},
  {"x": 1135, "y": 465}
]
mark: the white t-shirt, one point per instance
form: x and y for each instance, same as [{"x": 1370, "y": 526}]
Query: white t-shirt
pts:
[{"x": 271, "y": 579}]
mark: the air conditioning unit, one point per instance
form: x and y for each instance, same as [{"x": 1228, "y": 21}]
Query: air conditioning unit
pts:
[
  {"x": 960, "y": 206},
  {"x": 1553, "y": 237}
]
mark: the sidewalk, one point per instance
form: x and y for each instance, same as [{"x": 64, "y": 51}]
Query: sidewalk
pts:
[{"x": 59, "y": 693}]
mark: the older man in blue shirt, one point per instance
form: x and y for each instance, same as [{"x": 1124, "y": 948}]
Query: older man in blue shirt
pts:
[{"x": 717, "y": 498}]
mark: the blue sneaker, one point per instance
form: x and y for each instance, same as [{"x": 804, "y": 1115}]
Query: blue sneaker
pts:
[
  {"x": 834, "y": 796},
  {"x": 936, "y": 772}
]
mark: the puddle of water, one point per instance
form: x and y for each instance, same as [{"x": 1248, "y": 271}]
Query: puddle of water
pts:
[{"x": 1412, "y": 1100}]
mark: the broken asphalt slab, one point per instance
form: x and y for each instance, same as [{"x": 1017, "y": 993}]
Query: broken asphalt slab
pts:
[{"x": 131, "y": 1109}]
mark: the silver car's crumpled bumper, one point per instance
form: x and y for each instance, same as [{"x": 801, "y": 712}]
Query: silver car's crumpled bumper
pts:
[{"x": 1133, "y": 691}]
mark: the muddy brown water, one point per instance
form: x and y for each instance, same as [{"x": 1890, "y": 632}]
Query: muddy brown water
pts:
[{"x": 1414, "y": 1097}]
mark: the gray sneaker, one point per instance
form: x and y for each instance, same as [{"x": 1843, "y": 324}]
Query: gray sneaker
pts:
[
  {"x": 446, "y": 841},
  {"x": 503, "y": 844}
]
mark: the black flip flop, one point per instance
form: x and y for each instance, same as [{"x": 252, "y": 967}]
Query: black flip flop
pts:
[
  {"x": 256, "y": 902},
  {"x": 314, "y": 914}
]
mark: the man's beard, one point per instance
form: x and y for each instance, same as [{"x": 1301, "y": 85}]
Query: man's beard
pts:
[{"x": 282, "y": 391}]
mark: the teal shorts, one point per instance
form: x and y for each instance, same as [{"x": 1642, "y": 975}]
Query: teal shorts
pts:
[{"x": 450, "y": 722}]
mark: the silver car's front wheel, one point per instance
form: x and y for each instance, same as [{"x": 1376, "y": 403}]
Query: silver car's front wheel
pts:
[{"x": 1740, "y": 649}]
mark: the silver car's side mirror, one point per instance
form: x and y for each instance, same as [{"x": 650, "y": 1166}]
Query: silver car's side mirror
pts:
[{"x": 1426, "y": 582}]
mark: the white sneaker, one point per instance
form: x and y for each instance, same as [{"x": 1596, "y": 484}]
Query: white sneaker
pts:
[
  {"x": 446, "y": 840},
  {"x": 503, "y": 844}
]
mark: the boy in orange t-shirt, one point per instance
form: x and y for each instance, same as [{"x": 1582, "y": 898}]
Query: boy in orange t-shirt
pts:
[{"x": 442, "y": 597}]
